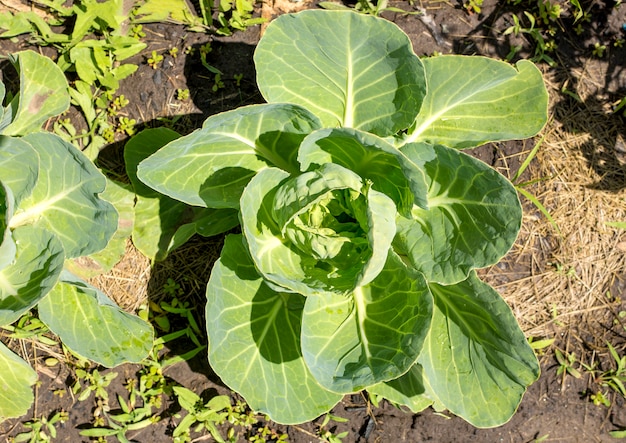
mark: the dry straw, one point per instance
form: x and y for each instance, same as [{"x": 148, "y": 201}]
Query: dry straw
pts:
[{"x": 574, "y": 275}]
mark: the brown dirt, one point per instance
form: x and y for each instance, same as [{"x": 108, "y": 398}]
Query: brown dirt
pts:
[{"x": 566, "y": 284}]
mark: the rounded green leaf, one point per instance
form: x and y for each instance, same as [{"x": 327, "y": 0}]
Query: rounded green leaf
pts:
[
  {"x": 43, "y": 93},
  {"x": 370, "y": 157},
  {"x": 16, "y": 379},
  {"x": 211, "y": 166},
  {"x": 122, "y": 198},
  {"x": 349, "y": 69},
  {"x": 323, "y": 230},
  {"x": 65, "y": 199},
  {"x": 32, "y": 273},
  {"x": 254, "y": 341},
  {"x": 19, "y": 166},
  {"x": 7, "y": 245},
  {"x": 473, "y": 219},
  {"x": 476, "y": 359},
  {"x": 407, "y": 390},
  {"x": 370, "y": 336},
  {"x": 162, "y": 223},
  {"x": 475, "y": 100},
  {"x": 94, "y": 327}
]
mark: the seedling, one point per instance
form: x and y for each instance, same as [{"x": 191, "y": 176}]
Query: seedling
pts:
[
  {"x": 473, "y": 6},
  {"x": 566, "y": 364},
  {"x": 327, "y": 434},
  {"x": 182, "y": 94},
  {"x": 154, "y": 60},
  {"x": 41, "y": 430},
  {"x": 598, "y": 50}
]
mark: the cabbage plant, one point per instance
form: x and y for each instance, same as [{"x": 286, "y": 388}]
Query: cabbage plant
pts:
[
  {"x": 362, "y": 223},
  {"x": 51, "y": 214}
]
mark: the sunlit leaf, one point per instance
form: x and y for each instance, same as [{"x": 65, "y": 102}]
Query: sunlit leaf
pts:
[
  {"x": 94, "y": 327},
  {"x": 16, "y": 379},
  {"x": 254, "y": 341},
  {"x": 366, "y": 77}
]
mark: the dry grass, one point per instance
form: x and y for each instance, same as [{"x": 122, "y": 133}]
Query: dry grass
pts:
[{"x": 557, "y": 279}]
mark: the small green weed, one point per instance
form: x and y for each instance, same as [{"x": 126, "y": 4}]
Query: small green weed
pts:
[
  {"x": 566, "y": 364},
  {"x": 154, "y": 60},
  {"x": 327, "y": 434},
  {"x": 42, "y": 429}
]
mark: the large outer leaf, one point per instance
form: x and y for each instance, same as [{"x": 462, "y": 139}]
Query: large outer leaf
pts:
[
  {"x": 371, "y": 158},
  {"x": 373, "y": 335},
  {"x": 32, "y": 274},
  {"x": 408, "y": 390},
  {"x": 91, "y": 325},
  {"x": 476, "y": 358},
  {"x": 349, "y": 69},
  {"x": 254, "y": 341},
  {"x": 65, "y": 199},
  {"x": 473, "y": 220},
  {"x": 122, "y": 198},
  {"x": 474, "y": 100},
  {"x": 43, "y": 93},
  {"x": 286, "y": 254},
  {"x": 163, "y": 223},
  {"x": 16, "y": 379},
  {"x": 19, "y": 166},
  {"x": 7, "y": 244},
  {"x": 211, "y": 166}
]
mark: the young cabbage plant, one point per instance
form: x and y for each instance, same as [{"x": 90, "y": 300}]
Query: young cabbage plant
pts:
[
  {"x": 50, "y": 213},
  {"x": 362, "y": 223}
]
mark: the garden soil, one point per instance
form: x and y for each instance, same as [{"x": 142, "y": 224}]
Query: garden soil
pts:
[{"x": 565, "y": 278}]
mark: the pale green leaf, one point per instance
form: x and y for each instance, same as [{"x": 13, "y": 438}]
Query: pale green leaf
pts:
[
  {"x": 368, "y": 156},
  {"x": 619, "y": 225},
  {"x": 211, "y": 166},
  {"x": 370, "y": 336},
  {"x": 475, "y": 100},
  {"x": 43, "y": 93},
  {"x": 323, "y": 230},
  {"x": 19, "y": 166},
  {"x": 7, "y": 245},
  {"x": 165, "y": 10},
  {"x": 407, "y": 390},
  {"x": 473, "y": 219},
  {"x": 65, "y": 199},
  {"x": 476, "y": 359},
  {"x": 349, "y": 69},
  {"x": 163, "y": 223},
  {"x": 254, "y": 341},
  {"x": 16, "y": 379},
  {"x": 3, "y": 123},
  {"x": 31, "y": 275},
  {"x": 123, "y": 199},
  {"x": 94, "y": 327}
]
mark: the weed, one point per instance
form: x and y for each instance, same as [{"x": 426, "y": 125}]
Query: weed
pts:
[
  {"x": 126, "y": 125},
  {"x": 473, "y": 6},
  {"x": 182, "y": 94},
  {"x": 327, "y": 434},
  {"x": 566, "y": 364},
  {"x": 154, "y": 60},
  {"x": 598, "y": 50},
  {"x": 29, "y": 327},
  {"x": 217, "y": 83},
  {"x": 41, "y": 430},
  {"x": 95, "y": 383}
]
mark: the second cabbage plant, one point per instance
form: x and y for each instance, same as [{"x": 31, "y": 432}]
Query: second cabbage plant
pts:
[{"x": 362, "y": 223}]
